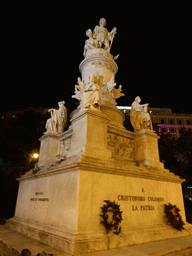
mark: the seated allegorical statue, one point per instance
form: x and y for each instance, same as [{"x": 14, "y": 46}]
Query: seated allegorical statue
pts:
[
  {"x": 139, "y": 117},
  {"x": 88, "y": 94},
  {"x": 92, "y": 96},
  {"x": 58, "y": 119}
]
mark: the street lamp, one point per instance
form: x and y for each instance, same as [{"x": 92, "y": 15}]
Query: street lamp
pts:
[
  {"x": 35, "y": 155},
  {"x": 32, "y": 161}
]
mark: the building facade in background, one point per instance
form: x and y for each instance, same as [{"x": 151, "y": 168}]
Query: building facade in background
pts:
[{"x": 165, "y": 120}]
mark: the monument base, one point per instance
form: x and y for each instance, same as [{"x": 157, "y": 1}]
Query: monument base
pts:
[
  {"x": 61, "y": 206},
  {"x": 94, "y": 242}
]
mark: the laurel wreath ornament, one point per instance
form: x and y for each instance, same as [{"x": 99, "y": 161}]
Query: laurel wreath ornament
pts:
[
  {"x": 111, "y": 208},
  {"x": 174, "y": 219}
]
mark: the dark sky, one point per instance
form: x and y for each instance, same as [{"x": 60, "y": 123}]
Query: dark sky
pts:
[{"x": 43, "y": 45}]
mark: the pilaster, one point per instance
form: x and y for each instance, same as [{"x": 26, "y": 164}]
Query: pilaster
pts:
[
  {"x": 48, "y": 148},
  {"x": 146, "y": 148},
  {"x": 89, "y": 134}
]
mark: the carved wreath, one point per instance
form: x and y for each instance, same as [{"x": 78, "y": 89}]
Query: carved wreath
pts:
[
  {"x": 111, "y": 207},
  {"x": 173, "y": 217}
]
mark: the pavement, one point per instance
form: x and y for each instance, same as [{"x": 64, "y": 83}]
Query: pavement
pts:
[{"x": 12, "y": 243}]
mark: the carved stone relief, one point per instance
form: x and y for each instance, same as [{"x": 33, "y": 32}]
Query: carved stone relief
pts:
[
  {"x": 120, "y": 146},
  {"x": 64, "y": 146}
]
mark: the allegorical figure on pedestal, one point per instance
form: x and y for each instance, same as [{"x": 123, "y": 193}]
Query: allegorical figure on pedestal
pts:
[
  {"x": 58, "y": 119},
  {"x": 139, "y": 117},
  {"x": 88, "y": 94}
]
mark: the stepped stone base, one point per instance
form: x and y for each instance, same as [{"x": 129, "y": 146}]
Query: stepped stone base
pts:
[{"x": 61, "y": 206}]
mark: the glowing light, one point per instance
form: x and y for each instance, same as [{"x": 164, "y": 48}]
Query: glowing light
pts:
[
  {"x": 123, "y": 107},
  {"x": 35, "y": 155}
]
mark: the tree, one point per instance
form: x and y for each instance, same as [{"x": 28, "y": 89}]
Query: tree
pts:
[
  {"x": 176, "y": 154},
  {"x": 20, "y": 138}
]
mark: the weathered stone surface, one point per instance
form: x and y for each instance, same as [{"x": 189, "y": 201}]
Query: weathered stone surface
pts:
[{"x": 48, "y": 148}]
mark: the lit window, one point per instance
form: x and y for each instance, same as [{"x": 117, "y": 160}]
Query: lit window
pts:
[
  {"x": 13, "y": 116},
  {"x": 2, "y": 117}
]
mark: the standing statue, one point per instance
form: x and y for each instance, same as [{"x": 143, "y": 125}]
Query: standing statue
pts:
[
  {"x": 58, "y": 119},
  {"x": 100, "y": 38},
  {"x": 139, "y": 117},
  {"x": 103, "y": 36}
]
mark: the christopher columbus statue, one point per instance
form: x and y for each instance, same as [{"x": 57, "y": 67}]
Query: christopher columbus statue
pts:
[{"x": 102, "y": 35}]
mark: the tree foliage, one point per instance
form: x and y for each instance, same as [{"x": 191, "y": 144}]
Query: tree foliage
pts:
[
  {"x": 177, "y": 154},
  {"x": 19, "y": 139}
]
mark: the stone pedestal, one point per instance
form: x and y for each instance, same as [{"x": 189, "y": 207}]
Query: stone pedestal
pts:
[
  {"x": 49, "y": 148},
  {"x": 147, "y": 152},
  {"x": 89, "y": 134},
  {"x": 61, "y": 206},
  {"x": 100, "y": 63}
]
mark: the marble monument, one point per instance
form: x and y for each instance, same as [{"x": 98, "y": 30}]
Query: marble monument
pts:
[{"x": 98, "y": 185}]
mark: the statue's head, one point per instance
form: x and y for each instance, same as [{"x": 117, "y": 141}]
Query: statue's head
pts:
[
  {"x": 89, "y": 33},
  {"x": 138, "y": 99},
  {"x": 26, "y": 252},
  {"x": 102, "y": 22},
  {"x": 61, "y": 103}
]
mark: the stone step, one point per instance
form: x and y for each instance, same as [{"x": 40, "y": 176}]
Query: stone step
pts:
[{"x": 14, "y": 242}]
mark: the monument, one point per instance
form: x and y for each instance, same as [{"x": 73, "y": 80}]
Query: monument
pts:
[{"x": 98, "y": 186}]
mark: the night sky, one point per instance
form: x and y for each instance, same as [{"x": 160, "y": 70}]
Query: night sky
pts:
[{"x": 43, "y": 44}]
